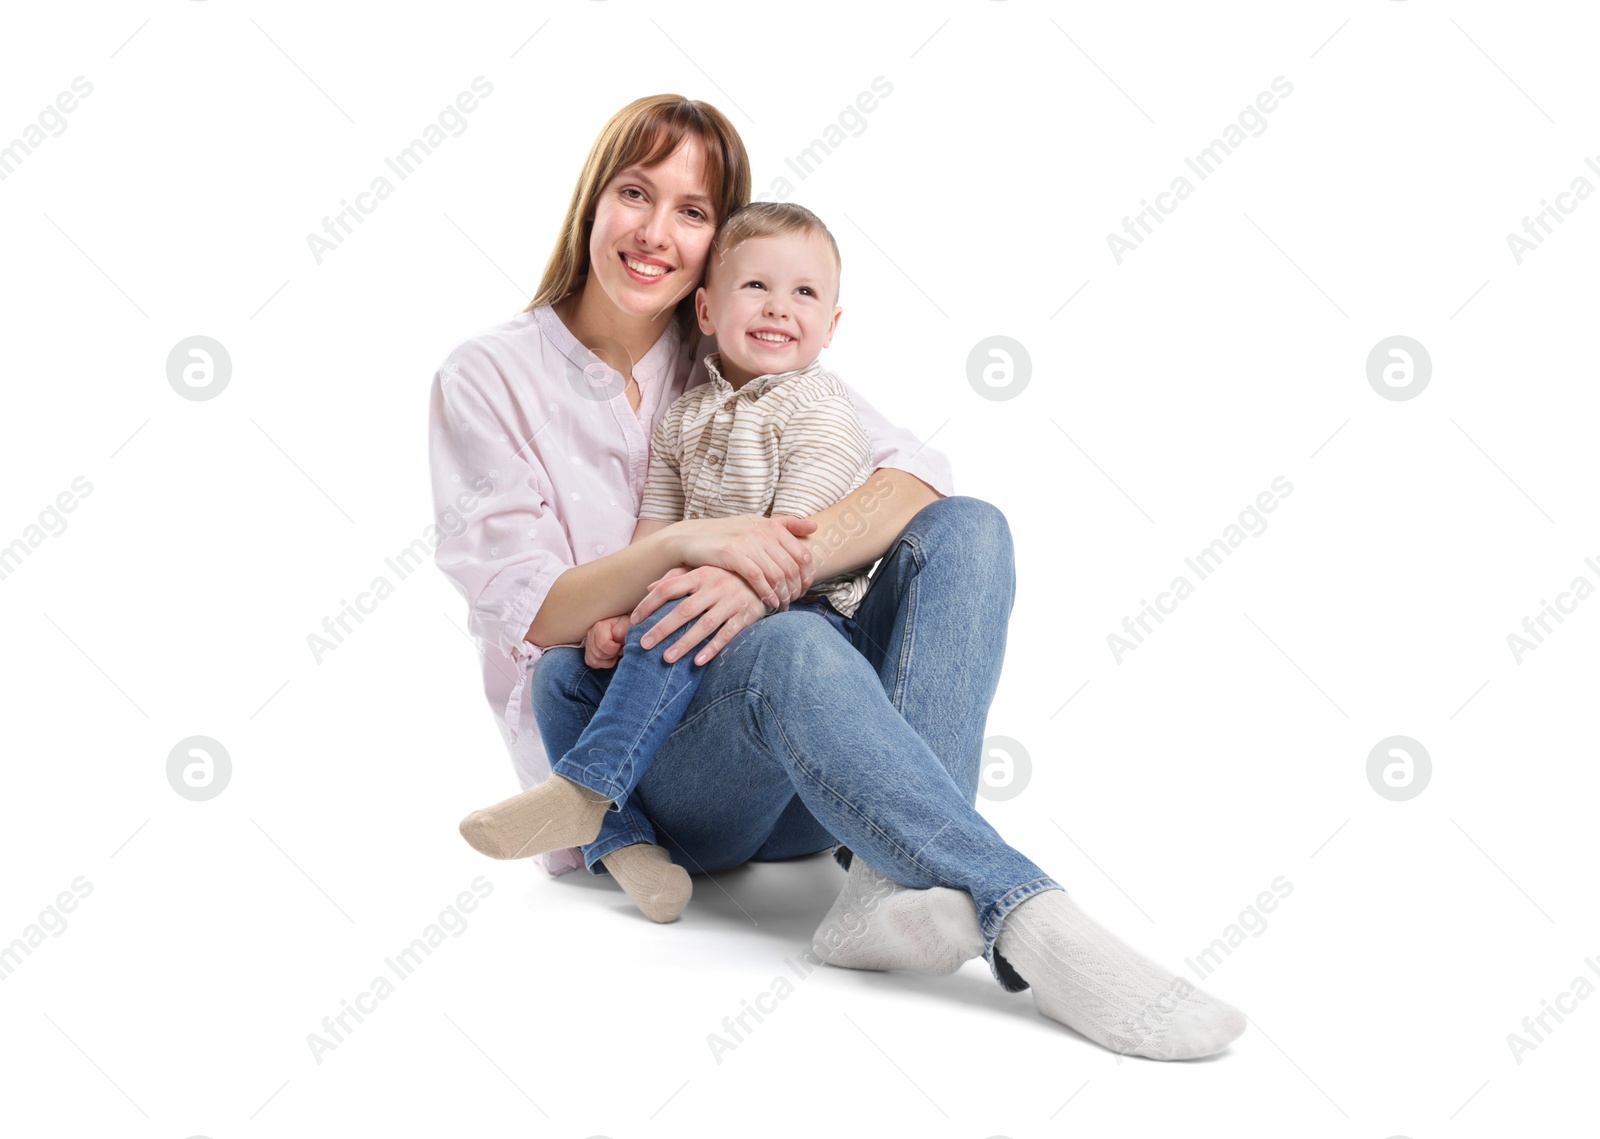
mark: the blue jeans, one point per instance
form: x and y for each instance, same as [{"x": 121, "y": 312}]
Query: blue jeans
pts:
[
  {"x": 798, "y": 737},
  {"x": 643, "y": 699}
]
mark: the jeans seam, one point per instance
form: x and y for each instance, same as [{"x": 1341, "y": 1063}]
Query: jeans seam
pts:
[
  {"x": 662, "y": 700},
  {"x": 717, "y": 703},
  {"x": 579, "y": 675},
  {"x": 996, "y": 918},
  {"x": 611, "y": 789},
  {"x": 908, "y": 642},
  {"x": 843, "y": 801},
  {"x": 1003, "y": 906}
]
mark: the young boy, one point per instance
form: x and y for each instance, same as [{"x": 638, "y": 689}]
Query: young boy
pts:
[{"x": 773, "y": 432}]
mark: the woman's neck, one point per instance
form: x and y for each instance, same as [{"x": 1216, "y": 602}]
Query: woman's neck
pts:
[{"x": 597, "y": 324}]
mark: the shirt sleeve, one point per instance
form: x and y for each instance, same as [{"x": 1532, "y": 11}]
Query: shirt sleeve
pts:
[
  {"x": 821, "y": 455},
  {"x": 496, "y": 537},
  {"x": 663, "y": 484},
  {"x": 896, "y": 447}
]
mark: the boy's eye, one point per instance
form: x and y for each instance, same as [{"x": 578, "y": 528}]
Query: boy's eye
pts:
[{"x": 807, "y": 289}]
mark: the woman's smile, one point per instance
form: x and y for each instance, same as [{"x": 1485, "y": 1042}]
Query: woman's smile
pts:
[{"x": 644, "y": 270}]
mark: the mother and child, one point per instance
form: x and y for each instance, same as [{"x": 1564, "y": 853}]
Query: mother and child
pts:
[{"x": 843, "y": 713}]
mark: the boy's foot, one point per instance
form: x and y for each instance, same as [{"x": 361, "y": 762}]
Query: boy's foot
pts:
[
  {"x": 1088, "y": 980},
  {"x": 876, "y": 923},
  {"x": 557, "y": 813},
  {"x": 647, "y": 874}
]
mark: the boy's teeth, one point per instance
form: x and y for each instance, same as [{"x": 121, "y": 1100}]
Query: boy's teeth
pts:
[
  {"x": 774, "y": 337},
  {"x": 647, "y": 270}
]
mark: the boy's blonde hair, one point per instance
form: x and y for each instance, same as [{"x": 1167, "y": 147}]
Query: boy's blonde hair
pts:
[{"x": 768, "y": 219}]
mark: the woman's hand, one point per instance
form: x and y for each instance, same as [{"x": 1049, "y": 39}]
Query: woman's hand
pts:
[
  {"x": 602, "y": 645},
  {"x": 722, "y": 600},
  {"x": 767, "y": 553}
]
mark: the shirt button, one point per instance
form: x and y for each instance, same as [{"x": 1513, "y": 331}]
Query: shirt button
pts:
[
  {"x": 600, "y": 549},
  {"x": 714, "y": 459},
  {"x": 728, "y": 406}
]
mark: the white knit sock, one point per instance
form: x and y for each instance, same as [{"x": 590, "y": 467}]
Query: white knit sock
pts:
[
  {"x": 876, "y": 923},
  {"x": 1083, "y": 976}
]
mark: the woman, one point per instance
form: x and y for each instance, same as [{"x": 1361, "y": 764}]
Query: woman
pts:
[{"x": 797, "y": 739}]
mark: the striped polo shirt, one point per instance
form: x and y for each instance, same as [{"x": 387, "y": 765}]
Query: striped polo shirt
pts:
[{"x": 785, "y": 443}]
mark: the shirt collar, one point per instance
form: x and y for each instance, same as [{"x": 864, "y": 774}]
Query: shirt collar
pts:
[
  {"x": 760, "y": 384},
  {"x": 646, "y": 371}
]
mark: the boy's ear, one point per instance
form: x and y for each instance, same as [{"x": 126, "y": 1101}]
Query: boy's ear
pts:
[
  {"x": 702, "y": 312},
  {"x": 832, "y": 324}
]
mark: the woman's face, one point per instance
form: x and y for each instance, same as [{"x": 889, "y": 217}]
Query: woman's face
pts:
[{"x": 652, "y": 231}]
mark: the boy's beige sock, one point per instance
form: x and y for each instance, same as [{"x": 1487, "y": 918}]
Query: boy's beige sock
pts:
[
  {"x": 555, "y": 814},
  {"x": 647, "y": 874}
]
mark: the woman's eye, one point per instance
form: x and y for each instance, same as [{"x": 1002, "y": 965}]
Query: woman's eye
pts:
[
  {"x": 699, "y": 215},
  {"x": 631, "y": 190}
]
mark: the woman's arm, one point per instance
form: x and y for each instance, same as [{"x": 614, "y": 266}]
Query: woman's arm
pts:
[
  {"x": 761, "y": 551},
  {"x": 604, "y": 587},
  {"x": 858, "y": 529},
  {"x": 823, "y": 447},
  {"x": 854, "y": 532},
  {"x": 646, "y": 528}
]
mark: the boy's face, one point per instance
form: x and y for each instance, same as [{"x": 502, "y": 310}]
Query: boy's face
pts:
[{"x": 771, "y": 303}]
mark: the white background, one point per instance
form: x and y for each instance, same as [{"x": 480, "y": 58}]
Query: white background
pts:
[{"x": 1227, "y": 750}]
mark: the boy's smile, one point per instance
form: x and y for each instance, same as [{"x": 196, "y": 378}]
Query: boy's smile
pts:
[{"x": 771, "y": 303}]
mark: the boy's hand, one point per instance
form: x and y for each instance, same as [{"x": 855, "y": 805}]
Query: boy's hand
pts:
[{"x": 602, "y": 644}]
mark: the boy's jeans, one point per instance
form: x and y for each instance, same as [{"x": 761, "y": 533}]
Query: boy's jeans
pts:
[
  {"x": 644, "y": 698},
  {"x": 797, "y": 737}
]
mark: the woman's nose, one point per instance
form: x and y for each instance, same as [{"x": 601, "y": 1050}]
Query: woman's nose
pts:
[{"x": 653, "y": 228}]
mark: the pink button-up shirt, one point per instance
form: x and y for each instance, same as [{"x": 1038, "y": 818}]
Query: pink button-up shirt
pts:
[{"x": 538, "y": 464}]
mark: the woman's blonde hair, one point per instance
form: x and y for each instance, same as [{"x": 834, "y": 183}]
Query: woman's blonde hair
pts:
[{"x": 644, "y": 133}]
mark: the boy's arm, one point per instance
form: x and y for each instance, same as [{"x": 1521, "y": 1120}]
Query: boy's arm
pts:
[
  {"x": 824, "y": 448},
  {"x": 907, "y": 475}
]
